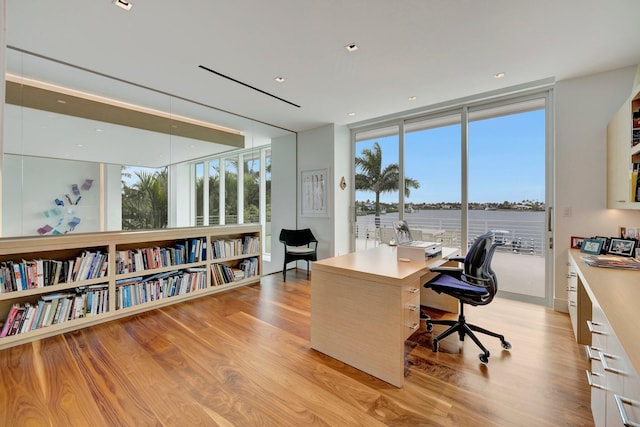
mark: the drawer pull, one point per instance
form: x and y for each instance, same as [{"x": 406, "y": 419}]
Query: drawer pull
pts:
[
  {"x": 572, "y": 304},
  {"x": 620, "y": 401},
  {"x": 413, "y": 307},
  {"x": 414, "y": 290},
  {"x": 606, "y": 366},
  {"x": 591, "y": 325},
  {"x": 571, "y": 288},
  {"x": 590, "y": 376},
  {"x": 414, "y": 326},
  {"x": 570, "y": 275},
  {"x": 594, "y": 353}
]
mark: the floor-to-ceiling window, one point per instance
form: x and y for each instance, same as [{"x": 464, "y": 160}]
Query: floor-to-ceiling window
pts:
[
  {"x": 467, "y": 169},
  {"x": 235, "y": 188},
  {"x": 377, "y": 180}
]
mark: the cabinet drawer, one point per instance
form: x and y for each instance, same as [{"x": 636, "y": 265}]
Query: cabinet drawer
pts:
[{"x": 411, "y": 315}]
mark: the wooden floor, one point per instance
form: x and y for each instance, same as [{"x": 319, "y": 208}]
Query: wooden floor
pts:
[{"x": 242, "y": 358}]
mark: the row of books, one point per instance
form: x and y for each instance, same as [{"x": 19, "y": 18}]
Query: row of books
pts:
[
  {"x": 222, "y": 273},
  {"x": 234, "y": 247},
  {"x": 56, "y": 308},
  {"x": 140, "y": 259},
  {"x": 32, "y": 274},
  {"x": 139, "y": 290}
]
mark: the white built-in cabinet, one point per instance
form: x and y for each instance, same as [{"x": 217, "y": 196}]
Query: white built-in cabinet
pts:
[
  {"x": 623, "y": 155},
  {"x": 115, "y": 274},
  {"x": 606, "y": 309}
]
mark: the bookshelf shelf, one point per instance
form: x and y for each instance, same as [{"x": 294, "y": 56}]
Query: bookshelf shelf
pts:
[{"x": 103, "y": 293}]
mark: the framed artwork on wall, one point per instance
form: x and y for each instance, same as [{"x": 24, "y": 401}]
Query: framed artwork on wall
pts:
[{"x": 315, "y": 193}]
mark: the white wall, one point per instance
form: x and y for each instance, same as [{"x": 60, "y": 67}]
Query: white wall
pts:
[
  {"x": 112, "y": 197},
  {"x": 583, "y": 107},
  {"x": 315, "y": 151},
  {"x": 343, "y": 210},
  {"x": 32, "y": 185},
  {"x": 283, "y": 197}
]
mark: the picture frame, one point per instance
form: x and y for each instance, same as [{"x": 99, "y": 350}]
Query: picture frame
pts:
[
  {"x": 591, "y": 246},
  {"x": 605, "y": 243},
  {"x": 622, "y": 247},
  {"x": 314, "y": 193},
  {"x": 576, "y": 242}
]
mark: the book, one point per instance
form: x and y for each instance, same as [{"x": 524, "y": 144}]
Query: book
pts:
[{"x": 9, "y": 321}]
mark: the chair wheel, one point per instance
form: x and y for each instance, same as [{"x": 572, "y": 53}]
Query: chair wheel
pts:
[
  {"x": 484, "y": 358},
  {"x": 506, "y": 345},
  {"x": 435, "y": 345},
  {"x": 429, "y": 326}
]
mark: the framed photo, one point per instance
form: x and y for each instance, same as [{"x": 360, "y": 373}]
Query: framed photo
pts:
[
  {"x": 315, "y": 192},
  {"x": 576, "y": 242},
  {"x": 622, "y": 247},
  {"x": 591, "y": 246},
  {"x": 605, "y": 243}
]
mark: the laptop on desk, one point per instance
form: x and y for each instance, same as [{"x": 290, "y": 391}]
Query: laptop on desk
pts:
[{"x": 403, "y": 237}]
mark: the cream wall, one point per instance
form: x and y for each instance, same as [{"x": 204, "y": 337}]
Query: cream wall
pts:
[{"x": 583, "y": 107}]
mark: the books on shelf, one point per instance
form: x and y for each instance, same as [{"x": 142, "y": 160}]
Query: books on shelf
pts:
[
  {"x": 225, "y": 248},
  {"x": 149, "y": 258},
  {"x": 222, "y": 274},
  {"x": 139, "y": 290},
  {"x": 56, "y": 308},
  {"x": 40, "y": 273}
]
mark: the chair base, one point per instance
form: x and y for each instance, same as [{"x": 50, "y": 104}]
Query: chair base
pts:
[
  {"x": 463, "y": 329},
  {"x": 284, "y": 271}
]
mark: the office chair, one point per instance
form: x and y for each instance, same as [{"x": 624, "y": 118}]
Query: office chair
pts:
[
  {"x": 298, "y": 245},
  {"x": 474, "y": 284}
]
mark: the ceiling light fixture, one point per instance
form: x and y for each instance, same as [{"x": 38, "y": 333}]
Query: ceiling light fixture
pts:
[
  {"x": 123, "y": 4},
  {"x": 498, "y": 75},
  {"x": 352, "y": 114},
  {"x": 413, "y": 98},
  {"x": 279, "y": 79},
  {"x": 351, "y": 47}
]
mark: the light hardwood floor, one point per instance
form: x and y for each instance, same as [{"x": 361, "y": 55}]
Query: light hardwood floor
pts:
[{"x": 242, "y": 358}]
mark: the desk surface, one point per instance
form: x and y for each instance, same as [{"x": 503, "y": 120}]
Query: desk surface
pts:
[
  {"x": 617, "y": 292},
  {"x": 381, "y": 262}
]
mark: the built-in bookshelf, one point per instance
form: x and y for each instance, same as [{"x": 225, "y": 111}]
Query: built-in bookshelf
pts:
[
  {"x": 623, "y": 155},
  {"x": 55, "y": 284}
]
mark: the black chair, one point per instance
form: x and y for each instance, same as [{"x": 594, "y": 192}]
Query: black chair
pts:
[
  {"x": 475, "y": 284},
  {"x": 298, "y": 245}
]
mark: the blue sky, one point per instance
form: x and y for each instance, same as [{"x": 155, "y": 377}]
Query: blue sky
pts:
[{"x": 506, "y": 160}]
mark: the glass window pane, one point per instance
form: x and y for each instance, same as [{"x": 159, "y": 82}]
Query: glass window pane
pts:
[
  {"x": 231, "y": 190},
  {"x": 144, "y": 198},
  {"x": 432, "y": 178},
  {"x": 214, "y": 192},
  {"x": 252, "y": 187}
]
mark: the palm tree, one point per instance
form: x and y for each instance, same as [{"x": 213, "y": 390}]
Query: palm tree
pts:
[{"x": 371, "y": 177}]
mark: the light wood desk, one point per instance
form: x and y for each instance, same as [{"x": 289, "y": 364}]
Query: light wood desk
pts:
[{"x": 364, "y": 305}]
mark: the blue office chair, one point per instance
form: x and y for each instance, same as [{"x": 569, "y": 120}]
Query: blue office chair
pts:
[{"x": 474, "y": 284}]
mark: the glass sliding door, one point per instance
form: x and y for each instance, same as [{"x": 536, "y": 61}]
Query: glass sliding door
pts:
[
  {"x": 432, "y": 153},
  {"x": 507, "y": 192},
  {"x": 377, "y": 179}
]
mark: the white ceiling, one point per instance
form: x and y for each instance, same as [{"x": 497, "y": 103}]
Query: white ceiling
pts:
[{"x": 435, "y": 50}]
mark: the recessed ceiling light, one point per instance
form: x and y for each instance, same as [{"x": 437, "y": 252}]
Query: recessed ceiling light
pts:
[
  {"x": 351, "y": 47},
  {"x": 61, "y": 101},
  {"x": 99, "y": 130},
  {"x": 123, "y": 4},
  {"x": 79, "y": 145},
  {"x": 498, "y": 75},
  {"x": 412, "y": 98},
  {"x": 279, "y": 79},
  {"x": 352, "y": 114}
]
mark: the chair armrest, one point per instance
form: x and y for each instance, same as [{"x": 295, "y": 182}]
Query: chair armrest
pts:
[
  {"x": 456, "y": 258},
  {"x": 446, "y": 269}
]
